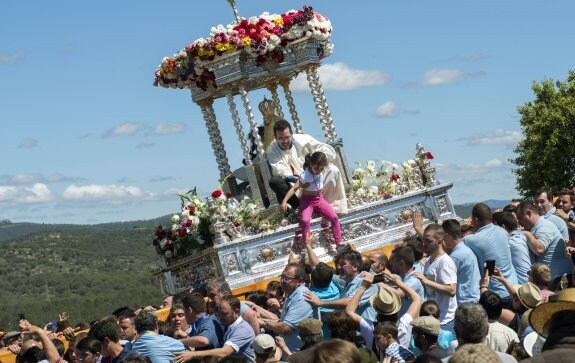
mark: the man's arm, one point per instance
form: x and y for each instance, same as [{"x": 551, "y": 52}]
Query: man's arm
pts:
[
  {"x": 445, "y": 289},
  {"x": 309, "y": 240},
  {"x": 252, "y": 318},
  {"x": 196, "y": 341},
  {"x": 416, "y": 300},
  {"x": 278, "y": 327},
  {"x": 536, "y": 246},
  {"x": 338, "y": 304},
  {"x": 49, "y": 348},
  {"x": 417, "y": 221},
  {"x": 354, "y": 302},
  {"x": 224, "y": 351}
]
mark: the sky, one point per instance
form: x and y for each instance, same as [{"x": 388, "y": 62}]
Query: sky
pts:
[{"x": 85, "y": 138}]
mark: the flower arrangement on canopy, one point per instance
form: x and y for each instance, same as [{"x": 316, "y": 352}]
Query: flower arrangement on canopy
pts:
[{"x": 262, "y": 37}]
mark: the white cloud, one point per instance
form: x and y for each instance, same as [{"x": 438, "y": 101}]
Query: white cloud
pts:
[
  {"x": 37, "y": 193},
  {"x": 468, "y": 172},
  {"x": 440, "y": 76},
  {"x": 11, "y": 58},
  {"x": 125, "y": 129},
  {"x": 497, "y": 137},
  {"x": 110, "y": 193},
  {"x": 466, "y": 58},
  {"x": 23, "y": 179},
  {"x": 167, "y": 129},
  {"x": 387, "y": 109},
  {"x": 339, "y": 77},
  {"x": 28, "y": 143}
]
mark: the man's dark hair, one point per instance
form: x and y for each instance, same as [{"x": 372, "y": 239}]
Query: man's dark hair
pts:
[
  {"x": 89, "y": 344},
  {"x": 429, "y": 308},
  {"x": 525, "y": 206},
  {"x": 258, "y": 297},
  {"x": 510, "y": 208},
  {"x": 541, "y": 190},
  {"x": 386, "y": 328},
  {"x": 470, "y": 323},
  {"x": 506, "y": 220},
  {"x": 146, "y": 320},
  {"x": 106, "y": 329},
  {"x": 321, "y": 275},
  {"x": 122, "y": 311},
  {"x": 405, "y": 254},
  {"x": 416, "y": 246},
  {"x": 165, "y": 328},
  {"x": 275, "y": 285},
  {"x": 353, "y": 257},
  {"x": 33, "y": 354},
  {"x": 136, "y": 358},
  {"x": 59, "y": 346},
  {"x": 298, "y": 270},
  {"x": 282, "y": 125},
  {"x": 341, "y": 326},
  {"x": 195, "y": 301},
  {"x": 482, "y": 213},
  {"x": 452, "y": 228},
  {"x": 232, "y": 300},
  {"x": 568, "y": 192},
  {"x": 492, "y": 304}
]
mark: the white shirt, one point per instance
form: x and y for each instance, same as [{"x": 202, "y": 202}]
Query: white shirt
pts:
[
  {"x": 315, "y": 181},
  {"x": 443, "y": 271}
]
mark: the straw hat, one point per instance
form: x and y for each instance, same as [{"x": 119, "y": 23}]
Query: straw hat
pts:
[
  {"x": 540, "y": 316},
  {"x": 528, "y": 294},
  {"x": 385, "y": 302}
]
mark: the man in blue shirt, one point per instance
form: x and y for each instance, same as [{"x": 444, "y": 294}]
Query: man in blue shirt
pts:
[
  {"x": 108, "y": 334},
  {"x": 238, "y": 337},
  {"x": 543, "y": 200},
  {"x": 490, "y": 242},
  {"x": 159, "y": 348},
  {"x": 295, "y": 308},
  {"x": 206, "y": 331},
  {"x": 544, "y": 241},
  {"x": 402, "y": 260},
  {"x": 517, "y": 245},
  {"x": 468, "y": 275}
]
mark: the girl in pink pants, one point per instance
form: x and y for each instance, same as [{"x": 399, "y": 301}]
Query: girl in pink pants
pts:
[{"x": 311, "y": 181}]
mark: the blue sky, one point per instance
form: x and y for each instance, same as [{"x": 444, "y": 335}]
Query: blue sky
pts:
[{"x": 86, "y": 138}]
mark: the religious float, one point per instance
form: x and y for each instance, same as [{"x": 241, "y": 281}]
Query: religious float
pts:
[{"x": 239, "y": 234}]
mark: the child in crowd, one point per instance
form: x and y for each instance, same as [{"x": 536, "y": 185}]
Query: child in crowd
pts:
[
  {"x": 311, "y": 182},
  {"x": 386, "y": 340}
]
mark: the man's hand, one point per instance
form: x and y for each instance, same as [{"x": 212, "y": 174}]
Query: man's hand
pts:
[
  {"x": 69, "y": 333},
  {"x": 280, "y": 342},
  {"x": 180, "y": 334},
  {"x": 367, "y": 279},
  {"x": 311, "y": 298},
  {"x": 417, "y": 220},
  {"x": 285, "y": 206},
  {"x": 390, "y": 277},
  {"x": 181, "y": 357},
  {"x": 293, "y": 258},
  {"x": 561, "y": 214},
  {"x": 273, "y": 304},
  {"x": 14, "y": 348},
  {"x": 421, "y": 277},
  {"x": 309, "y": 239}
]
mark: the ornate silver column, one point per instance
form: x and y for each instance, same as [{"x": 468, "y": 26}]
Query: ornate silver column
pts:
[
  {"x": 261, "y": 160},
  {"x": 215, "y": 138},
  {"x": 320, "y": 103},
  {"x": 273, "y": 87},
  {"x": 249, "y": 168},
  {"x": 291, "y": 104}
]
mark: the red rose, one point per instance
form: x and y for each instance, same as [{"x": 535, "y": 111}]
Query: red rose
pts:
[
  {"x": 429, "y": 155},
  {"x": 182, "y": 232},
  {"x": 237, "y": 224},
  {"x": 216, "y": 193},
  {"x": 192, "y": 209},
  {"x": 189, "y": 223},
  {"x": 394, "y": 177},
  {"x": 228, "y": 195}
]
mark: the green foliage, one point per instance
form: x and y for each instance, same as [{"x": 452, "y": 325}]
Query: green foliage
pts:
[
  {"x": 87, "y": 271},
  {"x": 546, "y": 157}
]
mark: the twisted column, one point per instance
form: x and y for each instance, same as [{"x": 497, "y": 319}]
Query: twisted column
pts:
[
  {"x": 252, "y": 121},
  {"x": 239, "y": 130},
  {"x": 291, "y": 104},
  {"x": 207, "y": 108},
  {"x": 273, "y": 87},
  {"x": 320, "y": 103}
]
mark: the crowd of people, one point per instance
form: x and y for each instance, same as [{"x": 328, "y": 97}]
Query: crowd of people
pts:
[{"x": 496, "y": 288}]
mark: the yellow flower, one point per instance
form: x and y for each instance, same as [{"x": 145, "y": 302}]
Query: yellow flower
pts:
[
  {"x": 247, "y": 41},
  {"x": 279, "y": 21}
]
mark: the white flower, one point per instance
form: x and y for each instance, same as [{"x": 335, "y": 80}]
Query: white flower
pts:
[
  {"x": 411, "y": 162},
  {"x": 189, "y": 231},
  {"x": 175, "y": 218},
  {"x": 361, "y": 192},
  {"x": 395, "y": 166},
  {"x": 195, "y": 220},
  {"x": 370, "y": 165},
  {"x": 186, "y": 214},
  {"x": 359, "y": 172},
  {"x": 373, "y": 189},
  {"x": 175, "y": 227}
]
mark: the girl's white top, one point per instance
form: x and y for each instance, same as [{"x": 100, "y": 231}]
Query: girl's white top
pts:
[{"x": 315, "y": 181}]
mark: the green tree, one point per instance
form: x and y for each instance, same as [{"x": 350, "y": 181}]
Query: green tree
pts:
[{"x": 546, "y": 155}]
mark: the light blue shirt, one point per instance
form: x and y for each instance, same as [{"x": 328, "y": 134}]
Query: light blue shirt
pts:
[
  {"x": 294, "y": 310},
  {"x": 364, "y": 309},
  {"x": 416, "y": 285},
  {"x": 520, "y": 256},
  {"x": 159, "y": 348},
  {"x": 468, "y": 275},
  {"x": 240, "y": 336},
  {"x": 490, "y": 242},
  {"x": 554, "y": 257},
  {"x": 558, "y": 222}
]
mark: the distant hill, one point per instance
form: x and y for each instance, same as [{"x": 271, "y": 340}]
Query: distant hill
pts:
[{"x": 464, "y": 210}]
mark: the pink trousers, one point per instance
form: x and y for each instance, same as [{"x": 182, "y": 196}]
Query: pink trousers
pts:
[{"x": 310, "y": 203}]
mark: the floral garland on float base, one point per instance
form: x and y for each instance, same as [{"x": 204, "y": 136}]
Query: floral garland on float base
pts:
[
  {"x": 221, "y": 217},
  {"x": 264, "y": 37}
]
